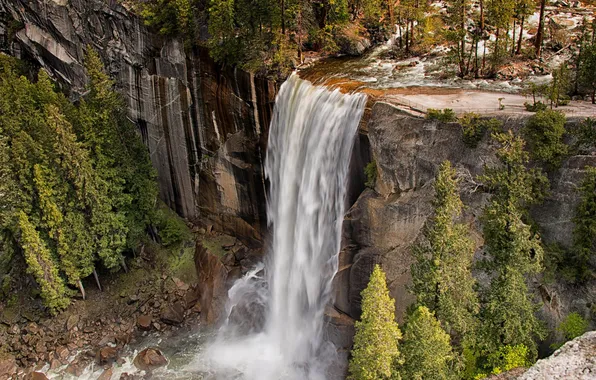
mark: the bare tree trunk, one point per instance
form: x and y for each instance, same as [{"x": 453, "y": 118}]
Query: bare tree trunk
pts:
[
  {"x": 81, "y": 288},
  {"x": 540, "y": 34},
  {"x": 482, "y": 27},
  {"x": 521, "y": 35},
  {"x": 97, "y": 280},
  {"x": 513, "y": 39}
]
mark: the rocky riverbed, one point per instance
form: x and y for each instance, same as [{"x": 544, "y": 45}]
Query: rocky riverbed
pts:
[{"x": 142, "y": 320}]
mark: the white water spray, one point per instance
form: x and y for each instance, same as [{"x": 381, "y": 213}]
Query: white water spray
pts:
[{"x": 275, "y": 314}]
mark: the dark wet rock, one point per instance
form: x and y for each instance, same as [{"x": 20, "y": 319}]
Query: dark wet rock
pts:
[
  {"x": 173, "y": 314},
  {"x": 149, "y": 359}
]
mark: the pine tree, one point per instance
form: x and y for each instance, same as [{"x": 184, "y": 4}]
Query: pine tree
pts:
[
  {"x": 514, "y": 250},
  {"x": 376, "y": 341},
  {"x": 441, "y": 275},
  {"x": 426, "y": 349},
  {"x": 223, "y": 44},
  {"x": 457, "y": 18},
  {"x": 588, "y": 69},
  {"x": 41, "y": 265},
  {"x": 584, "y": 233},
  {"x": 544, "y": 133}
]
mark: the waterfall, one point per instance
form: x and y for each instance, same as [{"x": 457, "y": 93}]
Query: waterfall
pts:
[{"x": 275, "y": 321}]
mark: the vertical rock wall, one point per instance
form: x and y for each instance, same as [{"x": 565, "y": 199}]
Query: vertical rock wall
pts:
[{"x": 205, "y": 127}]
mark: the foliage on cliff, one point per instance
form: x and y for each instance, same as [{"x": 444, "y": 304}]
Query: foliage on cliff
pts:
[
  {"x": 77, "y": 188},
  {"x": 584, "y": 233},
  {"x": 376, "y": 341},
  {"x": 441, "y": 275},
  {"x": 544, "y": 134},
  {"x": 514, "y": 249}
]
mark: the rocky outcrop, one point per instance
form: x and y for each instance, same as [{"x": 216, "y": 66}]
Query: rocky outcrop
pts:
[
  {"x": 575, "y": 360},
  {"x": 205, "y": 126}
]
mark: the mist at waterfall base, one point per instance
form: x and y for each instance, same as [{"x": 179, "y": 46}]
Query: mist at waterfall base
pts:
[{"x": 274, "y": 326}]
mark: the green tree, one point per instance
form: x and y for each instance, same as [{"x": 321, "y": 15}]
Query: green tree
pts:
[
  {"x": 41, "y": 265},
  {"x": 441, "y": 275},
  {"x": 560, "y": 86},
  {"x": 514, "y": 250},
  {"x": 377, "y": 334},
  {"x": 544, "y": 133},
  {"x": 584, "y": 232},
  {"x": 462, "y": 46},
  {"x": 508, "y": 358},
  {"x": 500, "y": 15},
  {"x": 523, "y": 9},
  {"x": 426, "y": 349},
  {"x": 587, "y": 72},
  {"x": 223, "y": 44}
]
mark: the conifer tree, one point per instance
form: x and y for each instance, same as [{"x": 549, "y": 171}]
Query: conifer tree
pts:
[
  {"x": 41, "y": 265},
  {"x": 377, "y": 333},
  {"x": 584, "y": 233},
  {"x": 514, "y": 250},
  {"x": 442, "y": 277},
  {"x": 544, "y": 133},
  {"x": 426, "y": 349}
]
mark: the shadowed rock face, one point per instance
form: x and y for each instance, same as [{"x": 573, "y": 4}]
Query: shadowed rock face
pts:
[{"x": 205, "y": 127}]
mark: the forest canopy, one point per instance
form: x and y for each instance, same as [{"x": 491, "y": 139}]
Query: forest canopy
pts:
[{"x": 77, "y": 189}]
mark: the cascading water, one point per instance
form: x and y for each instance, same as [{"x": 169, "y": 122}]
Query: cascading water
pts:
[{"x": 275, "y": 320}]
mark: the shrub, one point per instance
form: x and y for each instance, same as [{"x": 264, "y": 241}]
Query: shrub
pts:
[
  {"x": 509, "y": 357},
  {"x": 573, "y": 326},
  {"x": 171, "y": 228},
  {"x": 585, "y": 136},
  {"x": 535, "y": 107},
  {"x": 474, "y": 128},
  {"x": 570, "y": 328},
  {"x": 544, "y": 134},
  {"x": 371, "y": 174},
  {"x": 446, "y": 116}
]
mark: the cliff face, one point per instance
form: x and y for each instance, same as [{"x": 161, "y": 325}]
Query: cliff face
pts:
[
  {"x": 205, "y": 127},
  {"x": 383, "y": 223}
]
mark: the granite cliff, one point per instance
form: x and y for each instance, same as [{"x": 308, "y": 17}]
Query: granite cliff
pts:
[{"x": 205, "y": 126}]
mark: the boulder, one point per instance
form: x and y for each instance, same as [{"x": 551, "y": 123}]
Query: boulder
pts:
[
  {"x": 149, "y": 359},
  {"x": 213, "y": 287},
  {"x": 144, "y": 322},
  {"x": 575, "y": 360},
  {"x": 107, "y": 355},
  {"x": 8, "y": 367},
  {"x": 173, "y": 314}
]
